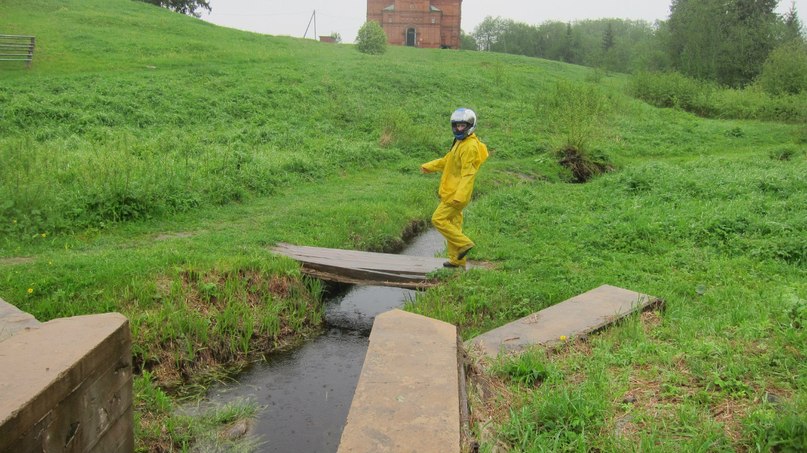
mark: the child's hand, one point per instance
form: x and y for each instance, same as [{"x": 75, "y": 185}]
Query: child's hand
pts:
[{"x": 423, "y": 170}]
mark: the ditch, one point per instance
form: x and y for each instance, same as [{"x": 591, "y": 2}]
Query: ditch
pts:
[{"x": 304, "y": 394}]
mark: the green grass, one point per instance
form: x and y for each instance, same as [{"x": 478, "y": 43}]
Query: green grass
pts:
[{"x": 149, "y": 169}]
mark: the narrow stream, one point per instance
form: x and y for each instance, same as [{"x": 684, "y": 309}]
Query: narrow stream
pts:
[{"x": 305, "y": 393}]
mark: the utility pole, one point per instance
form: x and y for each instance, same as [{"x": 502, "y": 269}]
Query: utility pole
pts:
[{"x": 314, "y": 20}]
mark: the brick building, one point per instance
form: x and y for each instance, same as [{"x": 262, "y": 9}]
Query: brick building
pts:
[{"x": 418, "y": 23}]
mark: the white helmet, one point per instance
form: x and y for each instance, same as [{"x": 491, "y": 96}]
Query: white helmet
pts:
[{"x": 463, "y": 115}]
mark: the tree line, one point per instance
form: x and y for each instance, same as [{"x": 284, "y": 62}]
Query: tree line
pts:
[
  {"x": 729, "y": 42},
  {"x": 725, "y": 41}
]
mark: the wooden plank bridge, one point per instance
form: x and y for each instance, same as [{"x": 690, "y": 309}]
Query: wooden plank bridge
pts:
[{"x": 364, "y": 268}]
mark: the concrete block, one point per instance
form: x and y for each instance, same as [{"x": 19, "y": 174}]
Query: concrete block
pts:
[
  {"x": 64, "y": 385},
  {"x": 407, "y": 398},
  {"x": 118, "y": 438},
  {"x": 13, "y": 320}
]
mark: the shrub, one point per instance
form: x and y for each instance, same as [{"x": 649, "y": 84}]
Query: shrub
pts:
[
  {"x": 785, "y": 70},
  {"x": 579, "y": 114},
  {"x": 371, "y": 39},
  {"x": 709, "y": 100},
  {"x": 672, "y": 90}
]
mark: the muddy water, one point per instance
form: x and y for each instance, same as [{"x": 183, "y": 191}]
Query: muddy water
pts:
[{"x": 305, "y": 393}]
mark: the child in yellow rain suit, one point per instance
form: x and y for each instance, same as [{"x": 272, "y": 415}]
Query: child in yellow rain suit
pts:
[{"x": 459, "y": 169}]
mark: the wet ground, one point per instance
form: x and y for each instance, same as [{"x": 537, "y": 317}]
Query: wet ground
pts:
[{"x": 305, "y": 394}]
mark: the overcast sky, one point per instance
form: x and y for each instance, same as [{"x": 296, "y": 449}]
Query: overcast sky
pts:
[{"x": 292, "y": 18}]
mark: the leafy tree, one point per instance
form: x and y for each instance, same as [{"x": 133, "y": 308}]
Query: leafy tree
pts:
[
  {"x": 551, "y": 40},
  {"x": 750, "y": 38},
  {"x": 515, "y": 38},
  {"x": 694, "y": 37},
  {"x": 336, "y": 37},
  {"x": 649, "y": 52},
  {"x": 489, "y": 32},
  {"x": 619, "y": 45},
  {"x": 785, "y": 70},
  {"x": 722, "y": 40},
  {"x": 371, "y": 38},
  {"x": 467, "y": 42},
  {"x": 189, "y": 7}
]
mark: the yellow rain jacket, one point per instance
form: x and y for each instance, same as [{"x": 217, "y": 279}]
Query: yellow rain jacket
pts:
[{"x": 459, "y": 169}]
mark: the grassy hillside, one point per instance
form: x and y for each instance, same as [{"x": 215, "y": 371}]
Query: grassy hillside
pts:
[{"x": 150, "y": 159}]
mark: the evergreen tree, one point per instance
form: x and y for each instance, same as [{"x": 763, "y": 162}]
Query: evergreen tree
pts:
[
  {"x": 608, "y": 38},
  {"x": 570, "y": 47},
  {"x": 792, "y": 25}
]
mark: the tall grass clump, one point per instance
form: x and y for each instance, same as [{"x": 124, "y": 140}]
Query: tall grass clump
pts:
[
  {"x": 530, "y": 369},
  {"x": 399, "y": 130},
  {"x": 201, "y": 319},
  {"x": 558, "y": 417},
  {"x": 578, "y": 115},
  {"x": 158, "y": 427},
  {"x": 77, "y": 183}
]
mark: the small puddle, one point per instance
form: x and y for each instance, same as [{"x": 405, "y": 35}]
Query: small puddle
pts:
[{"x": 305, "y": 393}]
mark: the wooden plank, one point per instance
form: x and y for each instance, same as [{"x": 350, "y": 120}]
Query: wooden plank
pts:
[
  {"x": 574, "y": 317},
  {"x": 364, "y": 274},
  {"x": 417, "y": 284},
  {"x": 399, "y": 264},
  {"x": 379, "y": 268}
]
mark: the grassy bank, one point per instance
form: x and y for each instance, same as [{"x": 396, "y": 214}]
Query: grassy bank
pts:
[{"x": 149, "y": 173}]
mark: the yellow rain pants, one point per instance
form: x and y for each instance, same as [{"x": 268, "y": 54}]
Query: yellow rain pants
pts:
[{"x": 459, "y": 168}]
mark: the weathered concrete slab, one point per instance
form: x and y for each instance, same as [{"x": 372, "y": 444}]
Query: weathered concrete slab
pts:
[
  {"x": 577, "y": 316},
  {"x": 407, "y": 399},
  {"x": 67, "y": 386},
  {"x": 356, "y": 266},
  {"x": 13, "y": 320}
]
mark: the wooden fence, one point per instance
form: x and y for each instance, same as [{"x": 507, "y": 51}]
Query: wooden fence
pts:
[{"x": 17, "y": 48}]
